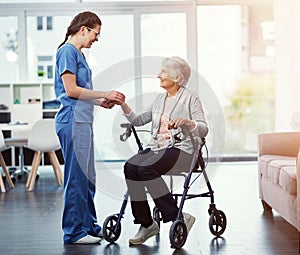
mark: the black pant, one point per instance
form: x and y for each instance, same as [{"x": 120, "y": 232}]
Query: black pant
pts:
[{"x": 144, "y": 171}]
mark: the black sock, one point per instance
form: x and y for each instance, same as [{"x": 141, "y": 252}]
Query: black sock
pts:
[{"x": 147, "y": 224}]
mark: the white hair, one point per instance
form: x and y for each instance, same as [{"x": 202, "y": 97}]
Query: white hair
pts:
[{"x": 179, "y": 69}]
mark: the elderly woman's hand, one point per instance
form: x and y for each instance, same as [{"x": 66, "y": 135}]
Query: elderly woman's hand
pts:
[
  {"x": 178, "y": 122},
  {"x": 107, "y": 104},
  {"x": 115, "y": 97}
]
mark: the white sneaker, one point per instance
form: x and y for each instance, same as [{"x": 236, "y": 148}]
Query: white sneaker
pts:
[
  {"x": 189, "y": 221},
  {"x": 145, "y": 233},
  {"x": 88, "y": 240}
]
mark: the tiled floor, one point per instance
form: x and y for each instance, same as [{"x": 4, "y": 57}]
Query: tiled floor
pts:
[{"x": 30, "y": 222}]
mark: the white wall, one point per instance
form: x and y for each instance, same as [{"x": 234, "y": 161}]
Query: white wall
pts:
[{"x": 287, "y": 25}]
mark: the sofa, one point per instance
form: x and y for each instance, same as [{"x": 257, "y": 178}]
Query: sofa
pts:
[{"x": 279, "y": 174}]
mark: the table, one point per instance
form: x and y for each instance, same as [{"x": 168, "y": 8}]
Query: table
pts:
[
  {"x": 17, "y": 141},
  {"x": 15, "y": 126}
]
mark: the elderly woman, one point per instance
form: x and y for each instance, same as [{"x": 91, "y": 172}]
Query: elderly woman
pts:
[{"x": 174, "y": 114}]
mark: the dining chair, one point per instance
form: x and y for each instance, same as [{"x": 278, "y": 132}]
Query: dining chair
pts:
[
  {"x": 3, "y": 147},
  {"x": 27, "y": 115},
  {"x": 43, "y": 139}
]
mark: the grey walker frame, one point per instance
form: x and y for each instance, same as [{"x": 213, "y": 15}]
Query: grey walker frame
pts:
[{"x": 178, "y": 232}]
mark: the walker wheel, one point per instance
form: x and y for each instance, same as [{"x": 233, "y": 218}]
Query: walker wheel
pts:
[
  {"x": 217, "y": 222},
  {"x": 13, "y": 178},
  {"x": 111, "y": 231},
  {"x": 178, "y": 234},
  {"x": 156, "y": 215}
]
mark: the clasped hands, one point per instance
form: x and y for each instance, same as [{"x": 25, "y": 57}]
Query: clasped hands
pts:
[{"x": 113, "y": 98}]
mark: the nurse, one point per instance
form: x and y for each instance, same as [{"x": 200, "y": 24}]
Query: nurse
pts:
[{"x": 74, "y": 127}]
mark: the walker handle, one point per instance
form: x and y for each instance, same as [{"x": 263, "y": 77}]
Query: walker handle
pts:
[{"x": 127, "y": 133}]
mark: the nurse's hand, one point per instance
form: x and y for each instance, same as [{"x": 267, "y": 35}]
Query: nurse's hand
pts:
[
  {"x": 116, "y": 97},
  {"x": 107, "y": 104}
]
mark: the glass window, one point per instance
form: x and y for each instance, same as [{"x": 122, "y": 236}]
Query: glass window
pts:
[
  {"x": 42, "y": 52},
  {"x": 261, "y": 39},
  {"x": 235, "y": 55},
  {"x": 49, "y": 23},
  {"x": 115, "y": 44},
  {"x": 9, "y": 49},
  {"x": 45, "y": 64},
  {"x": 45, "y": 58},
  {"x": 162, "y": 35},
  {"x": 50, "y": 72},
  {"x": 112, "y": 64},
  {"x": 236, "y": 65},
  {"x": 39, "y": 22}
]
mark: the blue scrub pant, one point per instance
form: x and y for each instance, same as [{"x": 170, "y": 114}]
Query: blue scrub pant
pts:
[{"x": 79, "y": 215}]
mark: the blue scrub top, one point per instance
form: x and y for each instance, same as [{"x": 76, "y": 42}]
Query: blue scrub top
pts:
[{"x": 68, "y": 58}]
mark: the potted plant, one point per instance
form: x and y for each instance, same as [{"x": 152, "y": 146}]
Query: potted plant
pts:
[{"x": 41, "y": 73}]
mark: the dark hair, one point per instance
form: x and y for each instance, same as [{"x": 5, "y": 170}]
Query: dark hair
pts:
[{"x": 87, "y": 18}]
